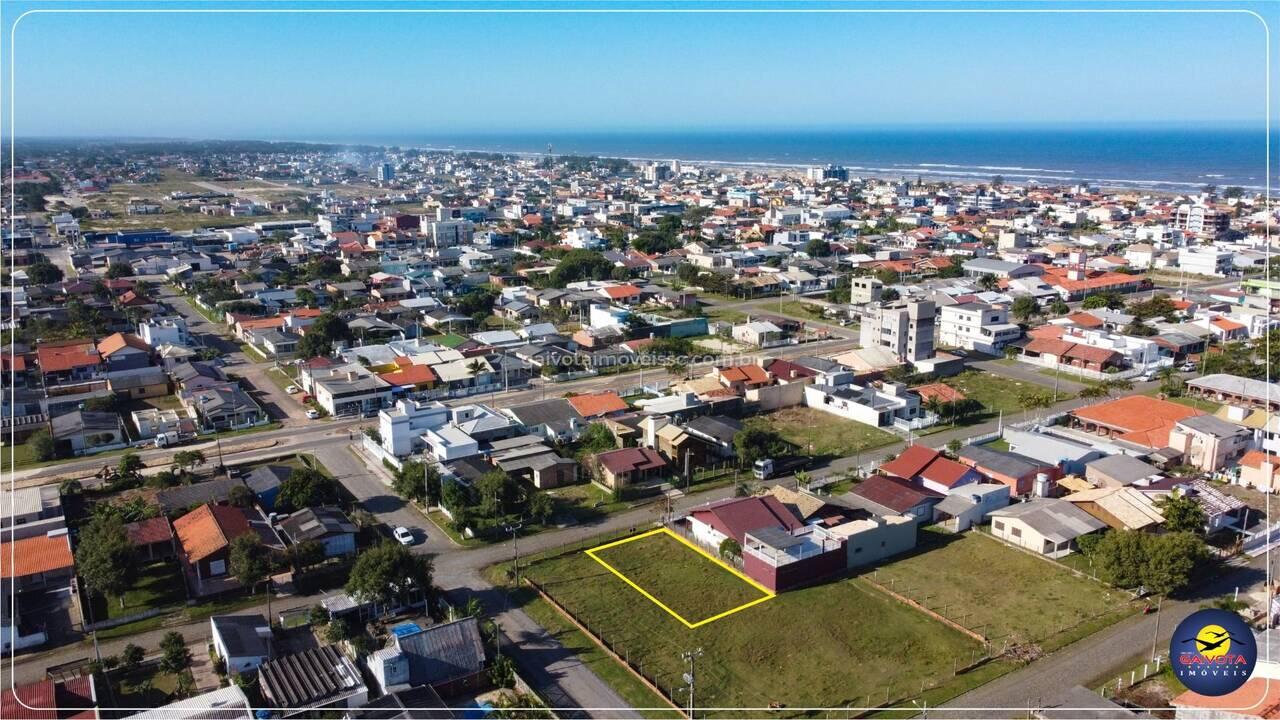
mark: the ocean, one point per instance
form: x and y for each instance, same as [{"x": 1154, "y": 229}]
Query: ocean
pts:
[{"x": 1167, "y": 159}]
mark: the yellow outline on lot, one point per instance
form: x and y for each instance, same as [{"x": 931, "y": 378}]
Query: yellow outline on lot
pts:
[{"x": 768, "y": 594}]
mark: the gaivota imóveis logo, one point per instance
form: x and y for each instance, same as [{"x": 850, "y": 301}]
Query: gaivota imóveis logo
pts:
[{"x": 1213, "y": 652}]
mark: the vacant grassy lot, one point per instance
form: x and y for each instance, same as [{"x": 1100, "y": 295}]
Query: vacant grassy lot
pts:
[
  {"x": 692, "y": 585},
  {"x": 159, "y": 585},
  {"x": 1001, "y": 592},
  {"x": 997, "y": 393},
  {"x": 824, "y": 646},
  {"x": 817, "y": 433}
]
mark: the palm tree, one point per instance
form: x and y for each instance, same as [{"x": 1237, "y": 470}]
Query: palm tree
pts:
[
  {"x": 474, "y": 368},
  {"x": 675, "y": 368}
]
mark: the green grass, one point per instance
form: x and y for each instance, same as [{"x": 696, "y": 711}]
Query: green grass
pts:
[
  {"x": 1035, "y": 601},
  {"x": 585, "y": 650},
  {"x": 282, "y": 380},
  {"x": 146, "y": 687},
  {"x": 252, "y": 353},
  {"x": 829, "y": 645},
  {"x": 797, "y": 309},
  {"x": 246, "y": 431},
  {"x": 719, "y": 313},
  {"x": 20, "y": 455},
  {"x": 998, "y": 444},
  {"x": 1068, "y": 376},
  {"x": 996, "y": 393},
  {"x": 1205, "y": 406},
  {"x": 692, "y": 585},
  {"x": 158, "y": 586},
  {"x": 822, "y": 434}
]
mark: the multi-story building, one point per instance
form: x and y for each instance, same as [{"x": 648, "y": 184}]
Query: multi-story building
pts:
[
  {"x": 976, "y": 326},
  {"x": 386, "y": 172},
  {"x": 865, "y": 290},
  {"x": 904, "y": 328},
  {"x": 828, "y": 172},
  {"x": 1206, "y": 261},
  {"x": 1203, "y": 220},
  {"x": 446, "y": 233}
]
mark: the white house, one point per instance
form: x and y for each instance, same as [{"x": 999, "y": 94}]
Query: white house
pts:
[
  {"x": 892, "y": 404},
  {"x": 976, "y": 326},
  {"x": 240, "y": 640}
]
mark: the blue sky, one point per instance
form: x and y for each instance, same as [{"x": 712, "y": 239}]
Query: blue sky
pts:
[{"x": 333, "y": 75}]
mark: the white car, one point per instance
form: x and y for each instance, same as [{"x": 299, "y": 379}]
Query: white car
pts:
[
  {"x": 313, "y": 414},
  {"x": 403, "y": 535},
  {"x": 291, "y": 389}
]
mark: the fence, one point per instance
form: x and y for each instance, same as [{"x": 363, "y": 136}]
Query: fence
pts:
[
  {"x": 623, "y": 658},
  {"x": 1136, "y": 675}
]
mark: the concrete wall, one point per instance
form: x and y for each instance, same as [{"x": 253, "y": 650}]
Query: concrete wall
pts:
[{"x": 777, "y": 396}]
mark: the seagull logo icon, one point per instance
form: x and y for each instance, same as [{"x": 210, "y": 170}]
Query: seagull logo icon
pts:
[{"x": 1212, "y": 641}]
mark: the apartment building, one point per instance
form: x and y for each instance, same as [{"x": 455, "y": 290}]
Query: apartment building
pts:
[
  {"x": 976, "y": 326},
  {"x": 1206, "y": 261},
  {"x": 1202, "y": 220},
  {"x": 905, "y": 328}
]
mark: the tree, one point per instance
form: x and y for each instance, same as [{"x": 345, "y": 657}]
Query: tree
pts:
[
  {"x": 249, "y": 561},
  {"x": 42, "y": 445},
  {"x": 105, "y": 557},
  {"x": 541, "y": 506},
  {"x": 70, "y": 486},
  {"x": 1059, "y": 307},
  {"x": 1173, "y": 560},
  {"x": 130, "y": 464},
  {"x": 729, "y": 548},
  {"x": 321, "y": 335},
  {"x": 175, "y": 655},
  {"x": 131, "y": 657},
  {"x": 43, "y": 272},
  {"x": 387, "y": 572},
  {"x": 119, "y": 270},
  {"x": 409, "y": 481},
  {"x": 1109, "y": 300},
  {"x": 306, "y": 296},
  {"x": 1024, "y": 307},
  {"x": 955, "y": 446},
  {"x": 755, "y": 443},
  {"x": 306, "y": 487},
  {"x": 188, "y": 460},
  {"x": 1119, "y": 557},
  {"x": 597, "y": 438},
  {"x": 492, "y": 487},
  {"x": 307, "y": 553},
  {"x": 1182, "y": 514},
  {"x": 988, "y": 282},
  {"x": 1162, "y": 563},
  {"x": 240, "y": 496},
  {"x": 817, "y": 247}
]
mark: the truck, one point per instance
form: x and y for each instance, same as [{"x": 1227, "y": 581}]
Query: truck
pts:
[
  {"x": 766, "y": 468},
  {"x": 166, "y": 439}
]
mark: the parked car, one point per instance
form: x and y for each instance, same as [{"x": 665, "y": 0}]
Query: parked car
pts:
[
  {"x": 1188, "y": 366},
  {"x": 313, "y": 414},
  {"x": 403, "y": 535},
  {"x": 291, "y": 389}
]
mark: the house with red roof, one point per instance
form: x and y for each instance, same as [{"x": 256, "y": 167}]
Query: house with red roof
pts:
[
  {"x": 931, "y": 469},
  {"x": 732, "y": 518},
  {"x": 69, "y": 361},
  {"x": 75, "y": 698},
  {"x": 617, "y": 469},
  {"x": 204, "y": 545},
  {"x": 1137, "y": 419}
]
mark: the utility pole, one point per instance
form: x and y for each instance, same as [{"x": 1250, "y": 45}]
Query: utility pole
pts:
[
  {"x": 1156, "y": 635},
  {"x": 515, "y": 540},
  {"x": 691, "y": 677}
]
